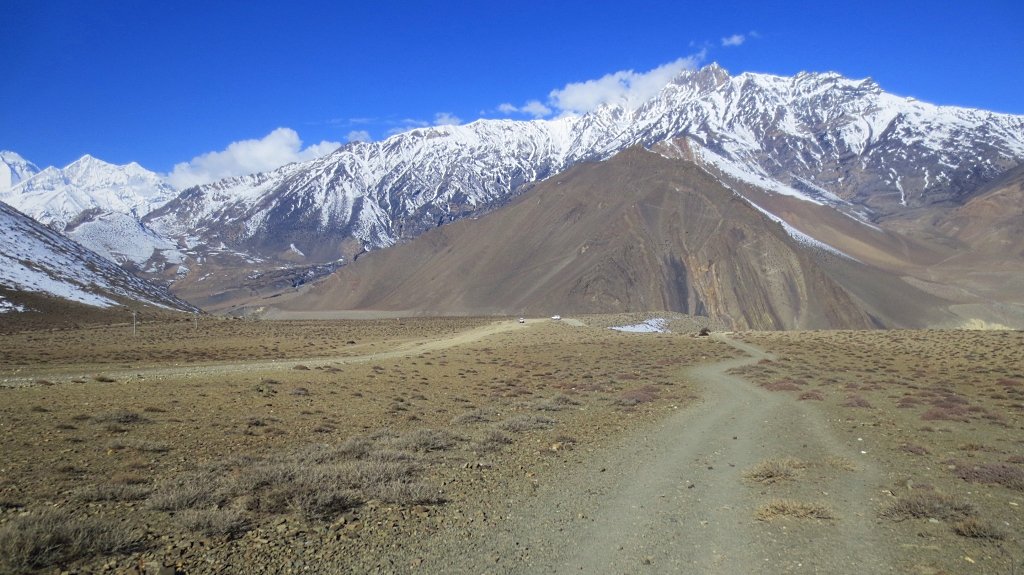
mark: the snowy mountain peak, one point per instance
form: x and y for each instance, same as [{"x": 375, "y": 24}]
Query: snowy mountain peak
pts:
[
  {"x": 56, "y": 197},
  {"x": 14, "y": 169}
]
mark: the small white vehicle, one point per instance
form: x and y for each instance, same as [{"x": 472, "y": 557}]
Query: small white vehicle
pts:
[
  {"x": 522, "y": 320},
  {"x": 556, "y": 317}
]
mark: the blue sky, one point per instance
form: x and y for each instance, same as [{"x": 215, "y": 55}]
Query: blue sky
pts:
[{"x": 163, "y": 82}]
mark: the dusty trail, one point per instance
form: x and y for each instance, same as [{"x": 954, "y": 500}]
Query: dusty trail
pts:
[
  {"x": 673, "y": 500},
  {"x": 186, "y": 371}
]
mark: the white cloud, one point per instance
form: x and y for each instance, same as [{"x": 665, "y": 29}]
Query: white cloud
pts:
[
  {"x": 626, "y": 87},
  {"x": 359, "y": 136},
  {"x": 446, "y": 119},
  {"x": 280, "y": 147},
  {"x": 734, "y": 40},
  {"x": 507, "y": 108},
  {"x": 535, "y": 108}
]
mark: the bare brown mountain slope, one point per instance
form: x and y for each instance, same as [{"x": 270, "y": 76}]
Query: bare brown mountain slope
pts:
[{"x": 638, "y": 232}]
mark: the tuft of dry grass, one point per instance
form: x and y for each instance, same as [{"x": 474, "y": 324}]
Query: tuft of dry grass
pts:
[
  {"x": 142, "y": 445},
  {"x": 526, "y": 423},
  {"x": 114, "y": 492},
  {"x": 788, "y": 508},
  {"x": 813, "y": 395},
  {"x": 51, "y": 537},
  {"x": 855, "y": 401},
  {"x": 978, "y": 529},
  {"x": 425, "y": 440},
  {"x": 122, "y": 417},
  {"x": 928, "y": 505},
  {"x": 915, "y": 449},
  {"x": 475, "y": 416},
  {"x": 775, "y": 470},
  {"x": 1009, "y": 476},
  {"x": 214, "y": 522},
  {"x": 840, "y": 463}
]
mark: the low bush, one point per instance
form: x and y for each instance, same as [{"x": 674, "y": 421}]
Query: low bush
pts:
[
  {"x": 928, "y": 505},
  {"x": 51, "y": 537},
  {"x": 789, "y": 508}
]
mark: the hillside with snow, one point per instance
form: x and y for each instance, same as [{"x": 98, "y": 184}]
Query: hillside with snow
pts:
[
  {"x": 818, "y": 137},
  {"x": 35, "y": 258}
]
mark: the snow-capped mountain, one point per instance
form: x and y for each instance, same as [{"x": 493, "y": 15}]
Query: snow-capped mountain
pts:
[
  {"x": 56, "y": 197},
  {"x": 820, "y": 137},
  {"x": 36, "y": 258},
  {"x": 14, "y": 169}
]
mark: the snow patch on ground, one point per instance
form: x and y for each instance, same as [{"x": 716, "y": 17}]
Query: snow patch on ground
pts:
[
  {"x": 655, "y": 325},
  {"x": 6, "y": 306}
]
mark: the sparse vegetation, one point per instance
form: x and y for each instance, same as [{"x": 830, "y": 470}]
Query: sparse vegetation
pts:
[
  {"x": 46, "y": 537},
  {"x": 778, "y": 508},
  {"x": 775, "y": 470}
]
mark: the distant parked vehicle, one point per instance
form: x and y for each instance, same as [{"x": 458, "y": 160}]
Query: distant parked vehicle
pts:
[
  {"x": 556, "y": 317},
  {"x": 522, "y": 320}
]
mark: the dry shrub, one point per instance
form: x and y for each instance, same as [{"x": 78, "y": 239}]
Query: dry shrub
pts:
[
  {"x": 955, "y": 413},
  {"x": 301, "y": 391},
  {"x": 840, "y": 463},
  {"x": 907, "y": 402},
  {"x": 635, "y": 397},
  {"x": 775, "y": 470},
  {"x": 557, "y": 403},
  {"x": 425, "y": 440},
  {"x": 214, "y": 522},
  {"x": 978, "y": 529},
  {"x": 492, "y": 440},
  {"x": 526, "y": 423},
  {"x": 103, "y": 379},
  {"x": 115, "y": 492},
  {"x": 475, "y": 416},
  {"x": 142, "y": 445},
  {"x": 1015, "y": 459},
  {"x": 301, "y": 367},
  {"x": 122, "y": 417},
  {"x": 915, "y": 449},
  {"x": 1009, "y": 383},
  {"x": 780, "y": 385},
  {"x": 928, "y": 505},
  {"x": 1009, "y": 476},
  {"x": 813, "y": 394},
  {"x": 855, "y": 401},
  {"x": 153, "y": 409},
  {"x": 973, "y": 446},
  {"x": 788, "y": 508},
  {"x": 406, "y": 493},
  {"x": 182, "y": 495},
  {"x": 50, "y": 537}
]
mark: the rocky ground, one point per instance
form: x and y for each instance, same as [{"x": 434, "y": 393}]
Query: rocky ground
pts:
[{"x": 473, "y": 446}]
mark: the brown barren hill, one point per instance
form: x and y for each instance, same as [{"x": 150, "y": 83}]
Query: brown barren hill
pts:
[{"x": 638, "y": 232}]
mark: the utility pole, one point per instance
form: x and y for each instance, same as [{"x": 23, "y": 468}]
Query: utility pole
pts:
[
  {"x": 195, "y": 316},
  {"x": 133, "y": 323}
]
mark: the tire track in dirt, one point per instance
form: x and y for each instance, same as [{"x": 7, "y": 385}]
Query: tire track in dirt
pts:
[
  {"x": 402, "y": 350},
  {"x": 672, "y": 499}
]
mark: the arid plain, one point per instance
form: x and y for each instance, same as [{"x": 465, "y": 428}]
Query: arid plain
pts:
[{"x": 474, "y": 445}]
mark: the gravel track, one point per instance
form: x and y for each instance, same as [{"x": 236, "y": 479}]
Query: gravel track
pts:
[{"x": 672, "y": 498}]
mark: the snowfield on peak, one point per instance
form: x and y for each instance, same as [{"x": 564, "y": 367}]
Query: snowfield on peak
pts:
[
  {"x": 56, "y": 197},
  {"x": 818, "y": 137},
  {"x": 14, "y": 169}
]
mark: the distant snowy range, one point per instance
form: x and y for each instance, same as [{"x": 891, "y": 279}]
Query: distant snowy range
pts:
[{"x": 821, "y": 138}]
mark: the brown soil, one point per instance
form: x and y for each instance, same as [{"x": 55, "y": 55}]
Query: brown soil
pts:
[{"x": 625, "y": 453}]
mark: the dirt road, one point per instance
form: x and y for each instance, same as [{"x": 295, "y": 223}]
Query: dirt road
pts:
[
  {"x": 673, "y": 499},
  {"x": 187, "y": 371}
]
